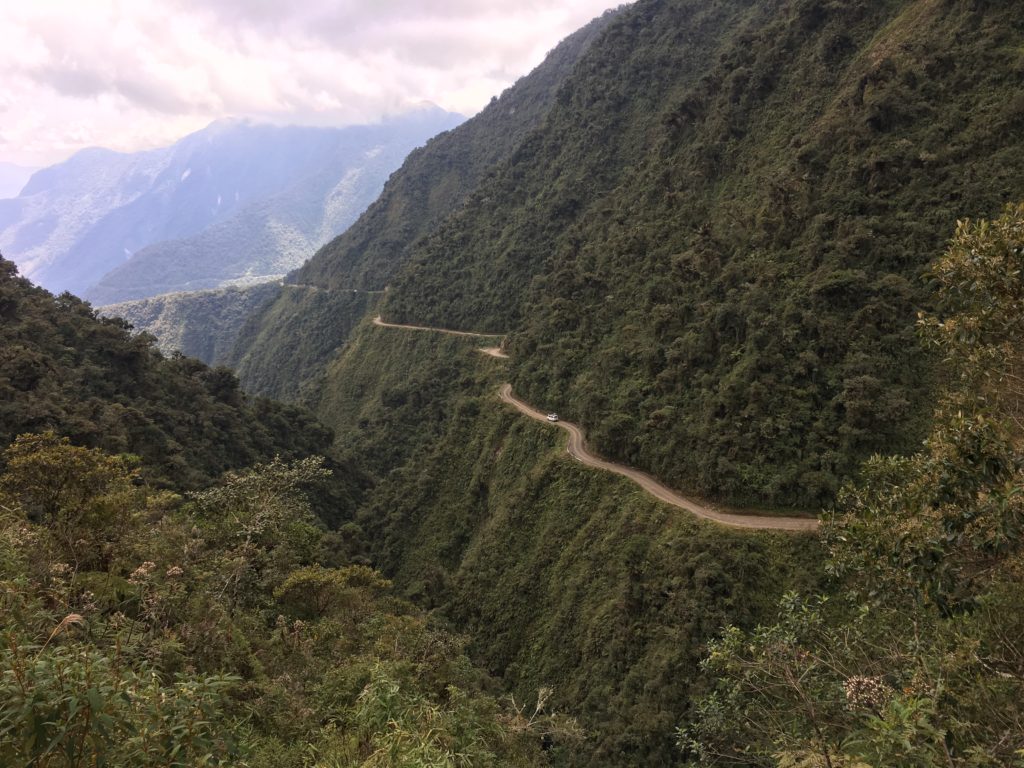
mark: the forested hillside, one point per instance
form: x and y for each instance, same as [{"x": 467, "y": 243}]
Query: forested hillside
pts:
[
  {"x": 913, "y": 655},
  {"x": 281, "y": 350},
  {"x": 157, "y": 612},
  {"x": 62, "y": 368},
  {"x": 200, "y": 324},
  {"x": 709, "y": 230},
  {"x": 223, "y": 629},
  {"x": 710, "y": 253}
]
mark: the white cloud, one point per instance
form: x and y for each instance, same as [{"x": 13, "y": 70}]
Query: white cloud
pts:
[{"x": 131, "y": 74}]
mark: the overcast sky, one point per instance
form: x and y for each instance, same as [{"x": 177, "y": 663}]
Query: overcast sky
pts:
[{"x": 134, "y": 74}]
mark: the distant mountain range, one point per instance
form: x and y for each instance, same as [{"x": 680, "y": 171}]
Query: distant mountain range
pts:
[
  {"x": 235, "y": 202},
  {"x": 13, "y": 179}
]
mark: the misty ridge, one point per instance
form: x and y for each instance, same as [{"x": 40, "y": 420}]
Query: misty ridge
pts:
[{"x": 235, "y": 203}]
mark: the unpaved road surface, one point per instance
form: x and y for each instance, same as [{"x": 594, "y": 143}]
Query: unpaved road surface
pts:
[
  {"x": 379, "y": 321},
  {"x": 493, "y": 352},
  {"x": 578, "y": 450}
]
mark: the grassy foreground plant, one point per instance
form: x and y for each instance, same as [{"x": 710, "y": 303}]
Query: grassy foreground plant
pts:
[{"x": 141, "y": 628}]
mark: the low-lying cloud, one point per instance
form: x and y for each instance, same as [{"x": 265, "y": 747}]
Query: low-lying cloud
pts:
[{"x": 130, "y": 74}]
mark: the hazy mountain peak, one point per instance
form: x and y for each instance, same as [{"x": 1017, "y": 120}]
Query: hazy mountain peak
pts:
[{"x": 82, "y": 218}]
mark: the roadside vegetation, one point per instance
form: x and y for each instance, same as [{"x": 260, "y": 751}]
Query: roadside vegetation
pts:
[{"x": 914, "y": 656}]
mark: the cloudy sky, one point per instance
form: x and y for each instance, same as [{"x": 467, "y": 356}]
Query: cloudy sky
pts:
[{"x": 133, "y": 74}]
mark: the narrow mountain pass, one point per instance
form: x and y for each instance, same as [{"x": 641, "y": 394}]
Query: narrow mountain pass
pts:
[{"x": 577, "y": 448}]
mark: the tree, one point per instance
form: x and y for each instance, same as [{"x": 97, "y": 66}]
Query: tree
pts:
[
  {"x": 315, "y": 591},
  {"x": 86, "y": 500}
]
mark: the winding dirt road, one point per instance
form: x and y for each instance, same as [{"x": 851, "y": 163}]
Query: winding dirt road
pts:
[{"x": 578, "y": 450}]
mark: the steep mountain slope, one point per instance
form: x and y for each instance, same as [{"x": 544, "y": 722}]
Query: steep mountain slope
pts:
[
  {"x": 64, "y": 369},
  {"x": 282, "y": 348},
  {"x": 276, "y": 234},
  {"x": 710, "y": 253},
  {"x": 432, "y": 183},
  {"x": 437, "y": 178},
  {"x": 200, "y": 324},
  {"x": 76, "y": 221}
]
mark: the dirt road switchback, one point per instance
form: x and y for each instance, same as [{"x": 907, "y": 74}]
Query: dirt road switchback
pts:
[{"x": 578, "y": 450}]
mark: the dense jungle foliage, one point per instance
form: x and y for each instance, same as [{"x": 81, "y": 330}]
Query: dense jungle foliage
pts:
[
  {"x": 709, "y": 238},
  {"x": 200, "y": 324},
  {"x": 915, "y": 655},
  {"x": 710, "y": 253},
  {"x": 227, "y": 628},
  {"x": 88, "y": 378}
]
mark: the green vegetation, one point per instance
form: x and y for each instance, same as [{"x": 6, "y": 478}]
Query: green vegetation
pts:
[
  {"x": 709, "y": 254},
  {"x": 63, "y": 368},
  {"x": 392, "y": 392},
  {"x": 200, "y": 324},
  {"x": 226, "y": 629},
  {"x": 705, "y": 225},
  {"x": 915, "y": 657}
]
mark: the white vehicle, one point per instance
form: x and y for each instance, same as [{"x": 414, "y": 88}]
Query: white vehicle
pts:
[{"x": 552, "y": 417}]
